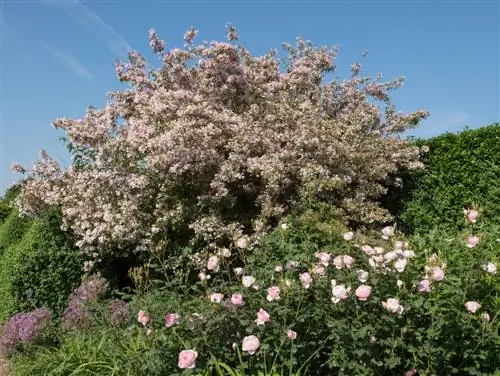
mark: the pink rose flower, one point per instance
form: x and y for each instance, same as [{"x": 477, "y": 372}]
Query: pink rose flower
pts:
[
  {"x": 490, "y": 268},
  {"x": 143, "y": 318},
  {"x": 172, "y": 319},
  {"x": 306, "y": 280},
  {"x": 319, "y": 270},
  {"x": 187, "y": 359},
  {"x": 348, "y": 260},
  {"x": 362, "y": 275},
  {"x": 291, "y": 334},
  {"x": 472, "y": 306},
  {"x": 242, "y": 242},
  {"x": 363, "y": 292},
  {"x": 424, "y": 286},
  {"x": 213, "y": 263},
  {"x": 323, "y": 257},
  {"x": 338, "y": 262},
  {"x": 250, "y": 344},
  {"x": 471, "y": 215},
  {"x": 348, "y": 236},
  {"x": 437, "y": 274},
  {"x": 237, "y": 299},
  {"x": 339, "y": 292},
  {"x": 248, "y": 280},
  {"x": 216, "y": 297},
  {"x": 472, "y": 241},
  {"x": 273, "y": 293},
  {"x": 485, "y": 317},
  {"x": 393, "y": 306},
  {"x": 387, "y": 232},
  {"x": 262, "y": 317}
]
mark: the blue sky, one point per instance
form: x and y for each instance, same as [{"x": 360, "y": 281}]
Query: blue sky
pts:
[{"x": 57, "y": 56}]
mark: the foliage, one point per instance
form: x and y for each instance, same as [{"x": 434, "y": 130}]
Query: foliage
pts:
[
  {"x": 42, "y": 269},
  {"x": 461, "y": 170},
  {"x": 217, "y": 143},
  {"x": 12, "y": 230}
]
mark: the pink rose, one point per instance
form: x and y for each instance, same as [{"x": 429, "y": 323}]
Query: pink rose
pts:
[
  {"x": 338, "y": 262},
  {"x": 348, "y": 236},
  {"x": 216, "y": 297},
  {"x": 250, "y": 344},
  {"x": 323, "y": 257},
  {"x": 348, "y": 260},
  {"x": 248, "y": 280},
  {"x": 143, "y": 318},
  {"x": 262, "y": 317},
  {"x": 472, "y": 215},
  {"x": 339, "y": 292},
  {"x": 273, "y": 293},
  {"x": 319, "y": 270},
  {"x": 237, "y": 299},
  {"x": 242, "y": 242},
  {"x": 362, "y": 275},
  {"x": 306, "y": 280},
  {"x": 291, "y": 334},
  {"x": 172, "y": 319},
  {"x": 472, "y": 306},
  {"x": 424, "y": 286},
  {"x": 472, "y": 241},
  {"x": 393, "y": 306},
  {"x": 387, "y": 232},
  {"x": 213, "y": 263},
  {"x": 486, "y": 317},
  {"x": 187, "y": 359},
  {"x": 363, "y": 292},
  {"x": 437, "y": 274}
]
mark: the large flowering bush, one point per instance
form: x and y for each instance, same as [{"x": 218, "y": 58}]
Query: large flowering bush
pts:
[{"x": 216, "y": 142}]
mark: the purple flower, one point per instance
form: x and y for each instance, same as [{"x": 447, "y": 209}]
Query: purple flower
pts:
[{"x": 24, "y": 328}]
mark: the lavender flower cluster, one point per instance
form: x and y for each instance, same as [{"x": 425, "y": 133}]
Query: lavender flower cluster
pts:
[{"x": 23, "y": 328}]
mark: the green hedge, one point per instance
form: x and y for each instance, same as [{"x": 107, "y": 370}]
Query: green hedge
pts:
[
  {"x": 462, "y": 170},
  {"x": 12, "y": 229},
  {"x": 42, "y": 269}
]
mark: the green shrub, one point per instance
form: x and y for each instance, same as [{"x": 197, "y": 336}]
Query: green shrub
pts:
[
  {"x": 462, "y": 171},
  {"x": 12, "y": 230},
  {"x": 42, "y": 269}
]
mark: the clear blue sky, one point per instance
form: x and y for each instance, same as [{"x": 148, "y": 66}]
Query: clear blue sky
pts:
[{"x": 57, "y": 56}]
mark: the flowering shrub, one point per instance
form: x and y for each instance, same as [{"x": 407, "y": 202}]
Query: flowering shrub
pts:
[{"x": 216, "y": 142}]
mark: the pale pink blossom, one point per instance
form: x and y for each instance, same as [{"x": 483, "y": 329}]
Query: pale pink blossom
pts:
[
  {"x": 390, "y": 256},
  {"x": 187, "y": 359},
  {"x": 242, "y": 242},
  {"x": 237, "y": 299},
  {"x": 392, "y": 305},
  {"x": 262, "y": 317},
  {"x": 368, "y": 250},
  {"x": 485, "y": 317},
  {"x": 323, "y": 257},
  {"x": 338, "y": 262},
  {"x": 424, "y": 286},
  {"x": 490, "y": 268},
  {"x": 408, "y": 254},
  {"x": 319, "y": 269},
  {"x": 348, "y": 236},
  {"x": 471, "y": 215},
  {"x": 172, "y": 319},
  {"x": 143, "y": 318},
  {"x": 339, "y": 292},
  {"x": 291, "y": 334},
  {"x": 284, "y": 226},
  {"x": 472, "y": 241},
  {"x": 387, "y": 232},
  {"x": 348, "y": 261},
  {"x": 216, "y": 297},
  {"x": 224, "y": 252},
  {"x": 238, "y": 271},
  {"x": 472, "y": 306},
  {"x": 203, "y": 276},
  {"x": 363, "y": 292},
  {"x": 248, "y": 280},
  {"x": 399, "y": 283},
  {"x": 306, "y": 280},
  {"x": 213, "y": 263},
  {"x": 362, "y": 275},
  {"x": 437, "y": 274},
  {"x": 250, "y": 344},
  {"x": 278, "y": 268},
  {"x": 400, "y": 265},
  {"x": 273, "y": 293},
  {"x": 398, "y": 245}
]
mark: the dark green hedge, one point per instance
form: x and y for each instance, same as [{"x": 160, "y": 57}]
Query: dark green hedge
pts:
[{"x": 462, "y": 170}]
